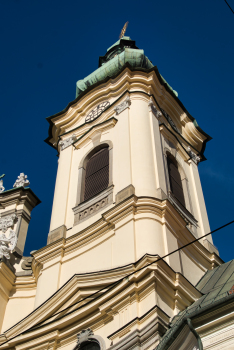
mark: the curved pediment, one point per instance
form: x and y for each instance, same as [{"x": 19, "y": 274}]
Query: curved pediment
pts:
[{"x": 92, "y": 299}]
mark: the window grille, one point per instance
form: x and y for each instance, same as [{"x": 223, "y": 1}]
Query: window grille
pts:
[
  {"x": 175, "y": 180},
  {"x": 97, "y": 173}
]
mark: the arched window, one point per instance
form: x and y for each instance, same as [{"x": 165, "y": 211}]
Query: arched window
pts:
[
  {"x": 97, "y": 173},
  {"x": 175, "y": 180},
  {"x": 89, "y": 345}
]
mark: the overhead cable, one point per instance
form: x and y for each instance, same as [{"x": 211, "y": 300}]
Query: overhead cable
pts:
[{"x": 112, "y": 285}]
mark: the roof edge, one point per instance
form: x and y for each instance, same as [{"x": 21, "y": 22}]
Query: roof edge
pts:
[{"x": 127, "y": 65}]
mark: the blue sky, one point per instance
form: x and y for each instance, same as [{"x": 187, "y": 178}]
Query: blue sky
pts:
[{"x": 46, "y": 46}]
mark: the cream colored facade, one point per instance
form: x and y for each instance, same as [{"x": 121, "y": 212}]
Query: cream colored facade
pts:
[{"x": 130, "y": 224}]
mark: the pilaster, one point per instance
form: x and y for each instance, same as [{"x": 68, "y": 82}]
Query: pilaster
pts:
[
  {"x": 158, "y": 150},
  {"x": 7, "y": 278},
  {"x": 198, "y": 198},
  {"x": 58, "y": 216}
]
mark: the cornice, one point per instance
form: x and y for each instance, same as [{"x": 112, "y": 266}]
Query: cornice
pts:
[
  {"x": 107, "y": 124},
  {"x": 181, "y": 143},
  {"x": 212, "y": 321},
  {"x": 128, "y": 79},
  {"x": 93, "y": 310},
  {"x": 17, "y": 196},
  {"x": 163, "y": 210},
  {"x": 49, "y": 252},
  {"x": 25, "y": 283}
]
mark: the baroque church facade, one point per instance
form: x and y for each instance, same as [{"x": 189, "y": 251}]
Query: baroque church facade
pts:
[{"x": 127, "y": 194}]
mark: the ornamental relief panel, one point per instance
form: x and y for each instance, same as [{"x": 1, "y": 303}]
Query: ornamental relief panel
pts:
[
  {"x": 93, "y": 206},
  {"x": 122, "y": 106},
  {"x": 7, "y": 242}
]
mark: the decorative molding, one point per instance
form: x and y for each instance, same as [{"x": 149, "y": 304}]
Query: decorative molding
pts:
[
  {"x": 122, "y": 106},
  {"x": 101, "y": 127},
  {"x": 153, "y": 109},
  {"x": 21, "y": 181},
  {"x": 93, "y": 206},
  {"x": 139, "y": 336},
  {"x": 187, "y": 216},
  {"x": 7, "y": 222},
  {"x": 193, "y": 156},
  {"x": 170, "y": 121},
  {"x": 7, "y": 244},
  {"x": 68, "y": 142},
  {"x": 57, "y": 233}
]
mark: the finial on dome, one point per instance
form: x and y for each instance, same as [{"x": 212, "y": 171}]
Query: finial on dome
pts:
[{"x": 123, "y": 30}]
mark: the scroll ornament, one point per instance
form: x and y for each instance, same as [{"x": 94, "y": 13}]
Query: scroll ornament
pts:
[
  {"x": 153, "y": 109},
  {"x": 122, "y": 106},
  {"x": 193, "y": 156},
  {"x": 66, "y": 143}
]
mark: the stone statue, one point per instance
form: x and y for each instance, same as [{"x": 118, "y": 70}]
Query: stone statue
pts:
[
  {"x": 21, "y": 181},
  {"x": 2, "y": 188}
]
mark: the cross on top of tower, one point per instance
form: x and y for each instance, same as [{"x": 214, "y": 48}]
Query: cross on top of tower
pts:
[{"x": 123, "y": 30}]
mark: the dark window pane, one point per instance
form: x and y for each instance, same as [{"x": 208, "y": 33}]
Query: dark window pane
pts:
[
  {"x": 97, "y": 173},
  {"x": 97, "y": 161},
  {"x": 89, "y": 346},
  {"x": 175, "y": 180}
]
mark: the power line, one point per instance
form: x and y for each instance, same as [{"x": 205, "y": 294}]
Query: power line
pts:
[
  {"x": 229, "y": 6},
  {"x": 132, "y": 273},
  {"x": 112, "y": 285}
]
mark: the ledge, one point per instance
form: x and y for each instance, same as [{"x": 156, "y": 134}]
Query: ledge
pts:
[
  {"x": 93, "y": 206},
  {"x": 187, "y": 216}
]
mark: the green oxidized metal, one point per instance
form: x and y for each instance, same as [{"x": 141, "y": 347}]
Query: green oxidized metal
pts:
[{"x": 123, "y": 51}]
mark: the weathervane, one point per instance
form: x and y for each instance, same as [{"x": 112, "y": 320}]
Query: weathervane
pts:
[{"x": 123, "y": 30}]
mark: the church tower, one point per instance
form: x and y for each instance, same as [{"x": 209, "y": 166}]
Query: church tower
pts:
[{"x": 127, "y": 194}]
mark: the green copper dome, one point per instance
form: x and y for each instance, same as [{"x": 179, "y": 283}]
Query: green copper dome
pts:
[{"x": 122, "y": 52}]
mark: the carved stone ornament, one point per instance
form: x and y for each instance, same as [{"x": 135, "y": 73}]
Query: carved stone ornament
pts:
[
  {"x": 7, "y": 244},
  {"x": 193, "y": 156},
  {"x": 153, "y": 109},
  {"x": 188, "y": 217},
  {"x": 7, "y": 222},
  {"x": 66, "y": 143},
  {"x": 21, "y": 181},
  {"x": 122, "y": 106},
  {"x": 84, "y": 335},
  {"x": 87, "y": 335}
]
